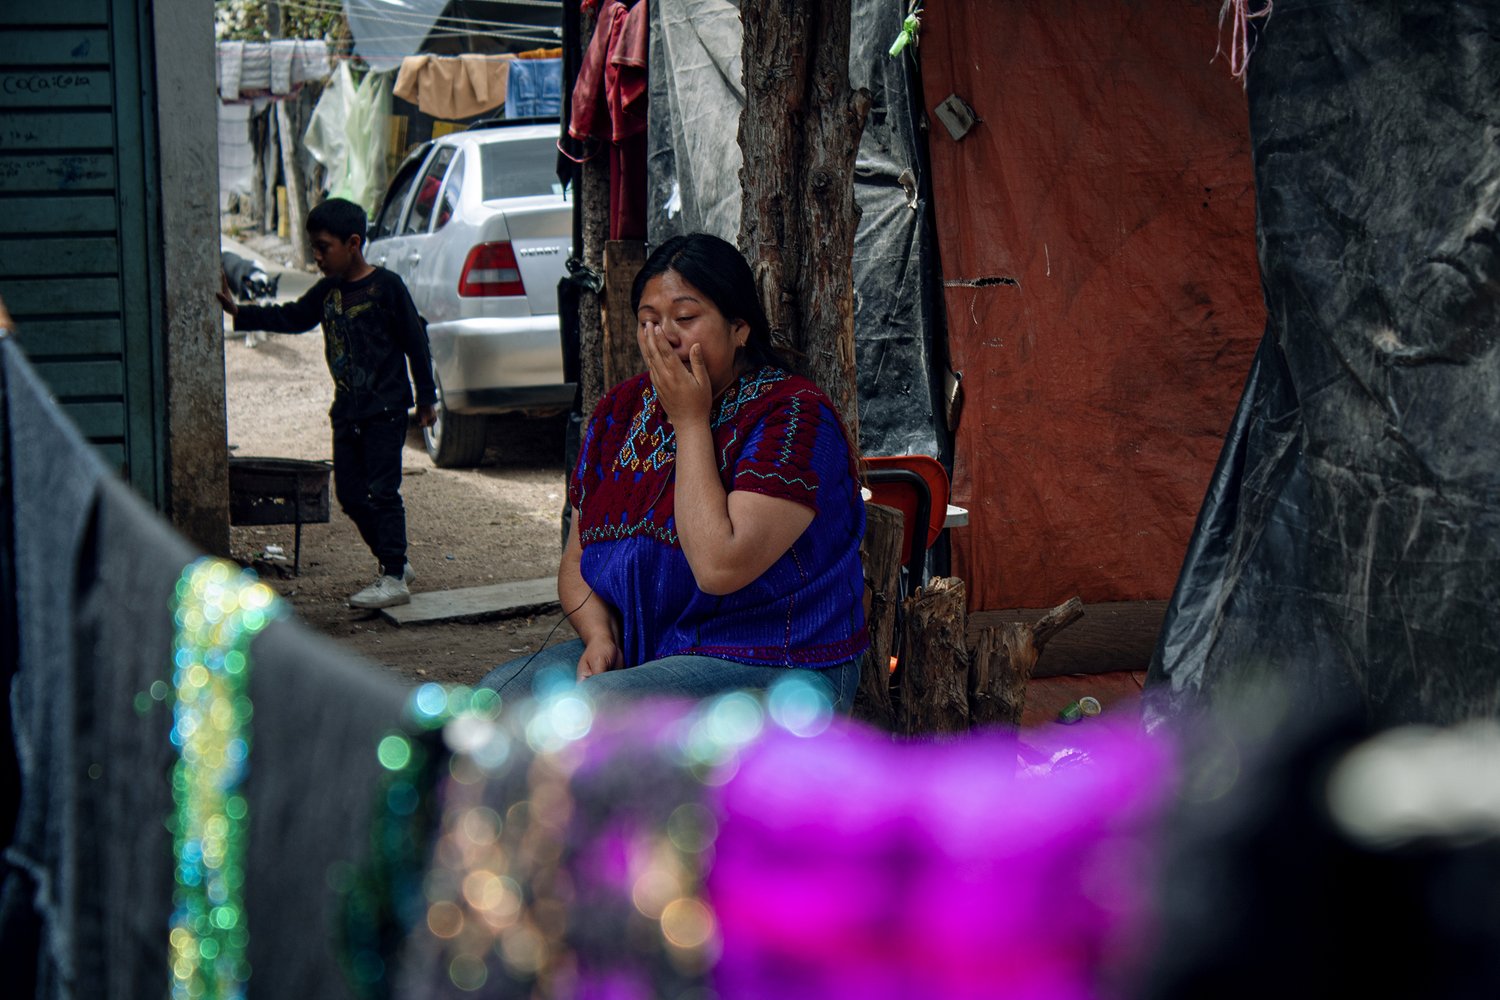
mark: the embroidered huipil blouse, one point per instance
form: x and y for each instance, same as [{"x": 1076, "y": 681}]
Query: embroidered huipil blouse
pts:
[{"x": 774, "y": 433}]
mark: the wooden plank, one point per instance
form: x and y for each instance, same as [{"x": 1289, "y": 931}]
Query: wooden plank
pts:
[
  {"x": 57, "y": 172},
  {"x": 71, "y": 379},
  {"x": 29, "y": 13},
  {"x": 39, "y": 215},
  {"x": 71, "y": 256},
  {"x": 24, "y": 130},
  {"x": 1111, "y": 636},
  {"x": 70, "y": 47},
  {"x": 61, "y": 338},
  {"x": 60, "y": 297},
  {"x": 98, "y": 420},
  {"x": 56, "y": 89},
  {"x": 476, "y": 604}
]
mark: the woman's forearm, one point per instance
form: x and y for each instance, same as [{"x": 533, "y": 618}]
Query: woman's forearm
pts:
[
  {"x": 729, "y": 539},
  {"x": 589, "y": 614}
]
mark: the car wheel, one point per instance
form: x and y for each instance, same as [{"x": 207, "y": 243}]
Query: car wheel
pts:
[{"x": 455, "y": 440}]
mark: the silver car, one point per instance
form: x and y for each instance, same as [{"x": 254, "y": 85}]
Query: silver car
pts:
[{"x": 478, "y": 226}]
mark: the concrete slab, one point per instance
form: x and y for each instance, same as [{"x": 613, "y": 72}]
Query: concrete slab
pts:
[{"x": 476, "y": 604}]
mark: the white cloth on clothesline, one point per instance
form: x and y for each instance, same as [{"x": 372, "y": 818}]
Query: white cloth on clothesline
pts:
[{"x": 251, "y": 69}]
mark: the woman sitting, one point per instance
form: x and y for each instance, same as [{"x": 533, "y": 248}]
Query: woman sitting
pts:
[{"x": 717, "y": 519}]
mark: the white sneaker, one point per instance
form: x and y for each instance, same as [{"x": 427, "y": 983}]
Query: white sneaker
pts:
[
  {"x": 408, "y": 575},
  {"x": 385, "y": 592}
]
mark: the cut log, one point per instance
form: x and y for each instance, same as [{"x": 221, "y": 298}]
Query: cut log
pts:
[
  {"x": 934, "y": 670},
  {"x": 1004, "y": 657},
  {"x": 881, "y": 554},
  {"x": 1114, "y": 636}
]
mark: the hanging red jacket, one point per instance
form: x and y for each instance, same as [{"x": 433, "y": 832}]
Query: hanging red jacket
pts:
[{"x": 610, "y": 99}]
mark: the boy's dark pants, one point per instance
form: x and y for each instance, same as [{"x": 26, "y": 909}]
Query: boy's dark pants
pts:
[{"x": 367, "y": 481}]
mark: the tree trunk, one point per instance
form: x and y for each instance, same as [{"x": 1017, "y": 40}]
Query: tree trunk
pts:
[
  {"x": 623, "y": 260},
  {"x": 934, "y": 670},
  {"x": 593, "y": 195},
  {"x": 296, "y": 200},
  {"x": 881, "y": 555},
  {"x": 799, "y": 135}
]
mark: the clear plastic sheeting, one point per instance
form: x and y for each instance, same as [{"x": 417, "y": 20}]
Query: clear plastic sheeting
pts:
[
  {"x": 693, "y": 185},
  {"x": 697, "y": 91},
  {"x": 347, "y": 135},
  {"x": 386, "y": 31},
  {"x": 1348, "y": 552}
]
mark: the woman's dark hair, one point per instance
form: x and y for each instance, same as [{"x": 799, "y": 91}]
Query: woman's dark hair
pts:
[{"x": 718, "y": 270}]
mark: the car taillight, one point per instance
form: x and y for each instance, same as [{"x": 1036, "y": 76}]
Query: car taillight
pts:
[{"x": 491, "y": 269}]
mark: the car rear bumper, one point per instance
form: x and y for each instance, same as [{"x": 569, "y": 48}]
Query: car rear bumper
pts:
[{"x": 500, "y": 365}]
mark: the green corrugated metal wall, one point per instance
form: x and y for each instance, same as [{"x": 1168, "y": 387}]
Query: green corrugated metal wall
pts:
[{"x": 80, "y": 243}]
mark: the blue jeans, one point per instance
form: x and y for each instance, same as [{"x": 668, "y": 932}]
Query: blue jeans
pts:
[{"x": 684, "y": 676}]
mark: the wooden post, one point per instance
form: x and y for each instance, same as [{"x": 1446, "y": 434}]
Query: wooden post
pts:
[
  {"x": 881, "y": 554},
  {"x": 934, "y": 671},
  {"x": 1004, "y": 657},
  {"x": 270, "y": 158},
  {"x": 799, "y": 135},
  {"x": 622, "y": 354},
  {"x": 296, "y": 199}
]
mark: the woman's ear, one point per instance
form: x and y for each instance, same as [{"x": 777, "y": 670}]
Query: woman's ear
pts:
[{"x": 739, "y": 333}]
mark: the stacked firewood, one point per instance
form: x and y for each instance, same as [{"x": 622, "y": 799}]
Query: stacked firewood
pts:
[{"x": 942, "y": 682}]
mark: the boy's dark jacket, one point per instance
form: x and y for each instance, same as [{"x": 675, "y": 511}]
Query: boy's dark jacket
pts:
[{"x": 370, "y": 331}]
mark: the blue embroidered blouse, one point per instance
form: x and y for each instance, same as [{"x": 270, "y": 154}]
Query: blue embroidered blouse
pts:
[{"x": 775, "y": 433}]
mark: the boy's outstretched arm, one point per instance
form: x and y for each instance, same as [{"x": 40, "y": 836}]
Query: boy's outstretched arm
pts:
[{"x": 294, "y": 317}]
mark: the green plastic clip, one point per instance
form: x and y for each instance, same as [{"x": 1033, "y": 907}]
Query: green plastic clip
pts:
[{"x": 908, "y": 35}]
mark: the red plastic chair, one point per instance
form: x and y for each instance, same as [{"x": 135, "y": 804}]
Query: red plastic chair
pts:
[{"x": 916, "y": 485}]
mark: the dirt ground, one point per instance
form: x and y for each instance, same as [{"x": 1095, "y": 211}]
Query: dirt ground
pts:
[{"x": 497, "y": 523}]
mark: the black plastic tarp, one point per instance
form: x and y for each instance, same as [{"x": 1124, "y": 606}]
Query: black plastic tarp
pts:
[
  {"x": 693, "y": 184},
  {"x": 1348, "y": 552}
]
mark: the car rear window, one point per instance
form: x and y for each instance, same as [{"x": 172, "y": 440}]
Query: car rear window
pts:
[{"x": 519, "y": 169}]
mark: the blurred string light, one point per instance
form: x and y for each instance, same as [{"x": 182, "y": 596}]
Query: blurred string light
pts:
[
  {"x": 1420, "y": 783},
  {"x": 218, "y": 609},
  {"x": 557, "y": 847},
  {"x": 378, "y": 897}
]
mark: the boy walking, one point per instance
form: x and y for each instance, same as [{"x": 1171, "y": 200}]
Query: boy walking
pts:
[{"x": 371, "y": 335}]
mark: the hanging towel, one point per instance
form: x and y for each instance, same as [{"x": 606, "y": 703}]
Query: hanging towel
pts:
[
  {"x": 283, "y": 51},
  {"x": 231, "y": 61},
  {"x": 451, "y": 87}
]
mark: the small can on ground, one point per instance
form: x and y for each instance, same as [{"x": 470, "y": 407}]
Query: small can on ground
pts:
[{"x": 1076, "y": 711}]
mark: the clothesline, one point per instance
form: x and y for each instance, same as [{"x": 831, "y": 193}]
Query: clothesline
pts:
[{"x": 417, "y": 20}]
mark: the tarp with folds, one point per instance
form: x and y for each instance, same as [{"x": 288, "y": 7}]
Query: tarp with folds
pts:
[
  {"x": 86, "y": 881},
  {"x": 347, "y": 135},
  {"x": 694, "y": 162},
  {"x": 1096, "y": 230},
  {"x": 1349, "y": 550}
]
